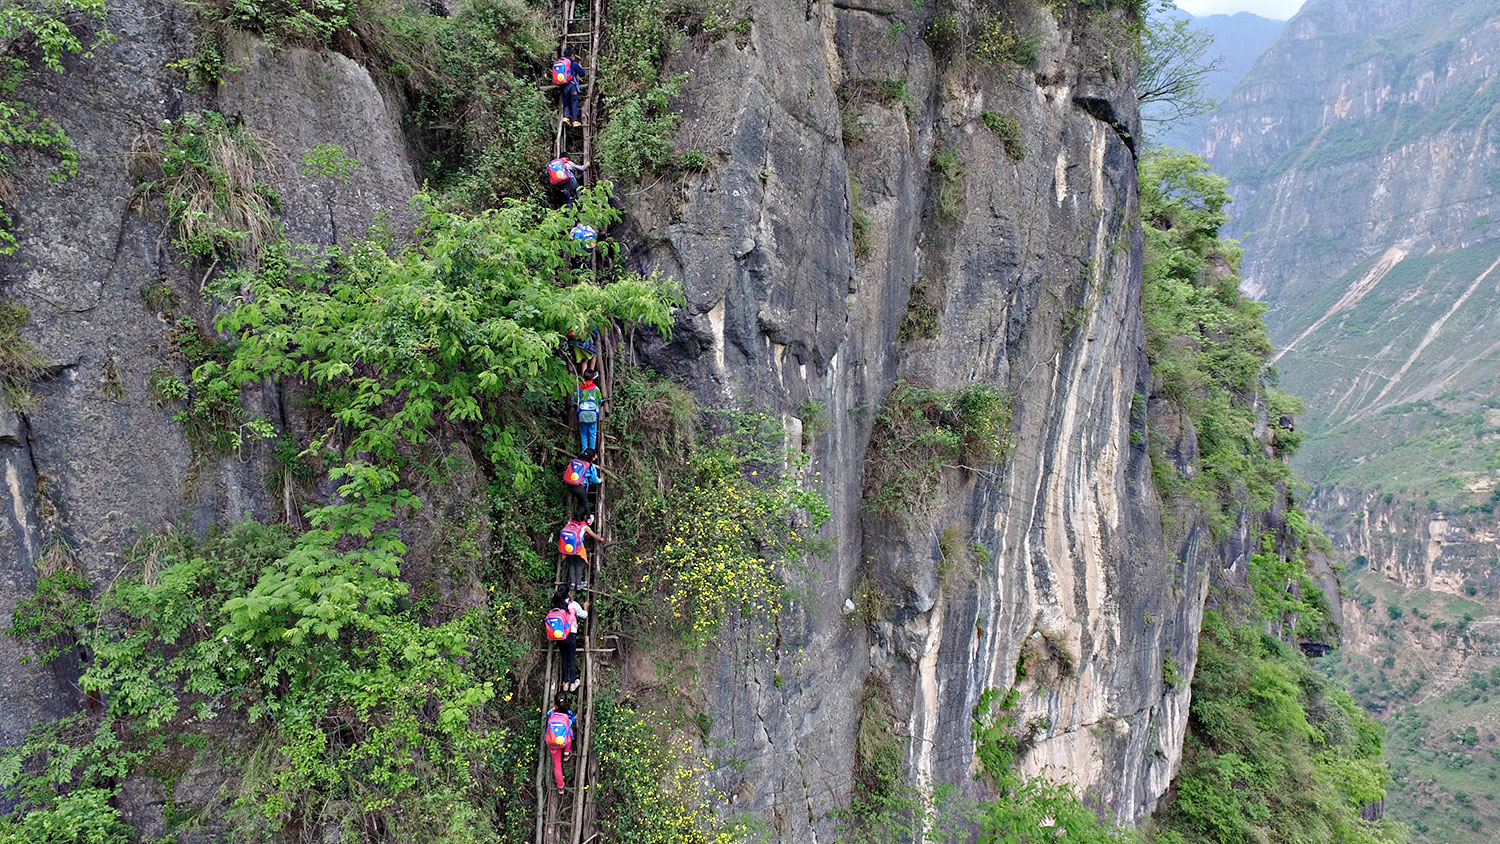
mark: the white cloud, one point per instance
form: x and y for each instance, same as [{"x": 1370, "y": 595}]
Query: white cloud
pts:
[{"x": 1274, "y": 9}]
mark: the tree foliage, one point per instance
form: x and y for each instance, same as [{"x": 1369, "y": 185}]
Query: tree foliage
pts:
[
  {"x": 1174, "y": 67},
  {"x": 1207, "y": 342},
  {"x": 1275, "y": 753}
]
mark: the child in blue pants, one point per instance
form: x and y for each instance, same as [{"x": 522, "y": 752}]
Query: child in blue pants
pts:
[{"x": 587, "y": 400}]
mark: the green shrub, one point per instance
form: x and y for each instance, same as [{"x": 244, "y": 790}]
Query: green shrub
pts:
[
  {"x": 638, "y": 134},
  {"x": 47, "y": 29},
  {"x": 330, "y": 161},
  {"x": 861, "y": 226},
  {"x": 55, "y": 612},
  {"x": 693, "y": 159},
  {"x": 304, "y": 22},
  {"x": 1276, "y": 752},
  {"x": 209, "y": 65},
  {"x": 1206, "y": 341},
  {"x": 922, "y": 320},
  {"x": 1008, "y": 130},
  {"x": 649, "y": 785},
  {"x": 730, "y": 518},
  {"x": 949, "y": 201},
  {"x": 920, "y": 431},
  {"x": 19, "y": 362},
  {"x": 996, "y": 39},
  {"x": 213, "y": 178}
]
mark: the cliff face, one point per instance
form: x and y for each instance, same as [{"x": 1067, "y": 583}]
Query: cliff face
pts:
[
  {"x": 96, "y": 462},
  {"x": 1378, "y": 110},
  {"x": 1024, "y": 261},
  {"x": 1363, "y": 151},
  {"x": 1035, "y": 282}
]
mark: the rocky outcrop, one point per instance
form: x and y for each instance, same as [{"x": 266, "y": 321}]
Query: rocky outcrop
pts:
[
  {"x": 1032, "y": 269},
  {"x": 97, "y": 461},
  {"x": 1413, "y": 547}
]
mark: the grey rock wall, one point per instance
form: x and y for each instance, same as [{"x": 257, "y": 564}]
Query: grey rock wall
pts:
[
  {"x": 1036, "y": 284},
  {"x": 95, "y": 463}
]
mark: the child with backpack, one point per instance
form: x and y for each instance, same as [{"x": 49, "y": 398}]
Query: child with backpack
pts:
[
  {"x": 557, "y": 734},
  {"x": 571, "y": 541},
  {"x": 561, "y": 175},
  {"x": 567, "y": 73},
  {"x": 588, "y": 401},
  {"x": 561, "y": 628},
  {"x": 580, "y": 472}
]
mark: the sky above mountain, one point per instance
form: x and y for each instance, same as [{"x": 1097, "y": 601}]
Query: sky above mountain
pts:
[{"x": 1274, "y": 9}]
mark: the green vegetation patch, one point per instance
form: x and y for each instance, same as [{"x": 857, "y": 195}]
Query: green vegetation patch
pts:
[
  {"x": 20, "y": 364},
  {"x": 50, "y": 31},
  {"x": 365, "y": 700},
  {"x": 1008, "y": 130},
  {"x": 1275, "y": 752},
  {"x": 638, "y": 91},
  {"x": 919, "y": 432},
  {"x": 1208, "y": 346},
  {"x": 213, "y": 175}
]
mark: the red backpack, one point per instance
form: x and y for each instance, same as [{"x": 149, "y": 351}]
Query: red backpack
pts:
[
  {"x": 557, "y": 624},
  {"x": 562, "y": 72},
  {"x": 558, "y": 172},
  {"x": 559, "y": 729},
  {"x": 575, "y": 473},
  {"x": 570, "y": 540}
]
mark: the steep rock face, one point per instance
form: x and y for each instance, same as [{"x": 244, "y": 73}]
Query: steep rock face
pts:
[
  {"x": 1033, "y": 275},
  {"x": 1377, "y": 110},
  {"x": 97, "y": 461},
  {"x": 1364, "y": 155}
]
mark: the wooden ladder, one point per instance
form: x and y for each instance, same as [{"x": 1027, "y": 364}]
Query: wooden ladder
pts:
[{"x": 564, "y": 819}]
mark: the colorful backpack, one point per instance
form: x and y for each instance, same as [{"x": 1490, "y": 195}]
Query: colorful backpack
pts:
[
  {"x": 558, "y": 625},
  {"x": 559, "y": 729},
  {"x": 576, "y": 472},
  {"x": 586, "y": 235},
  {"x": 588, "y": 410},
  {"x": 570, "y": 541},
  {"x": 558, "y": 172},
  {"x": 562, "y": 72}
]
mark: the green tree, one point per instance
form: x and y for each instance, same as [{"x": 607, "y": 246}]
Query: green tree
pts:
[{"x": 1174, "y": 67}]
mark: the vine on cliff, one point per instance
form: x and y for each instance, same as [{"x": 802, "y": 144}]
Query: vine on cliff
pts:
[{"x": 42, "y": 31}]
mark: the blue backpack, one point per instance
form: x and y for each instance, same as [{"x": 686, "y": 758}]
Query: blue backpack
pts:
[{"x": 588, "y": 411}]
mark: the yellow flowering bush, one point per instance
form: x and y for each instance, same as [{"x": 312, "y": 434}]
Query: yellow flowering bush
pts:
[
  {"x": 652, "y": 788},
  {"x": 730, "y": 518}
]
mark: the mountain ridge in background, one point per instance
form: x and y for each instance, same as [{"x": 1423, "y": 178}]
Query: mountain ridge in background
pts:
[
  {"x": 1239, "y": 39},
  {"x": 1363, "y": 152}
]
